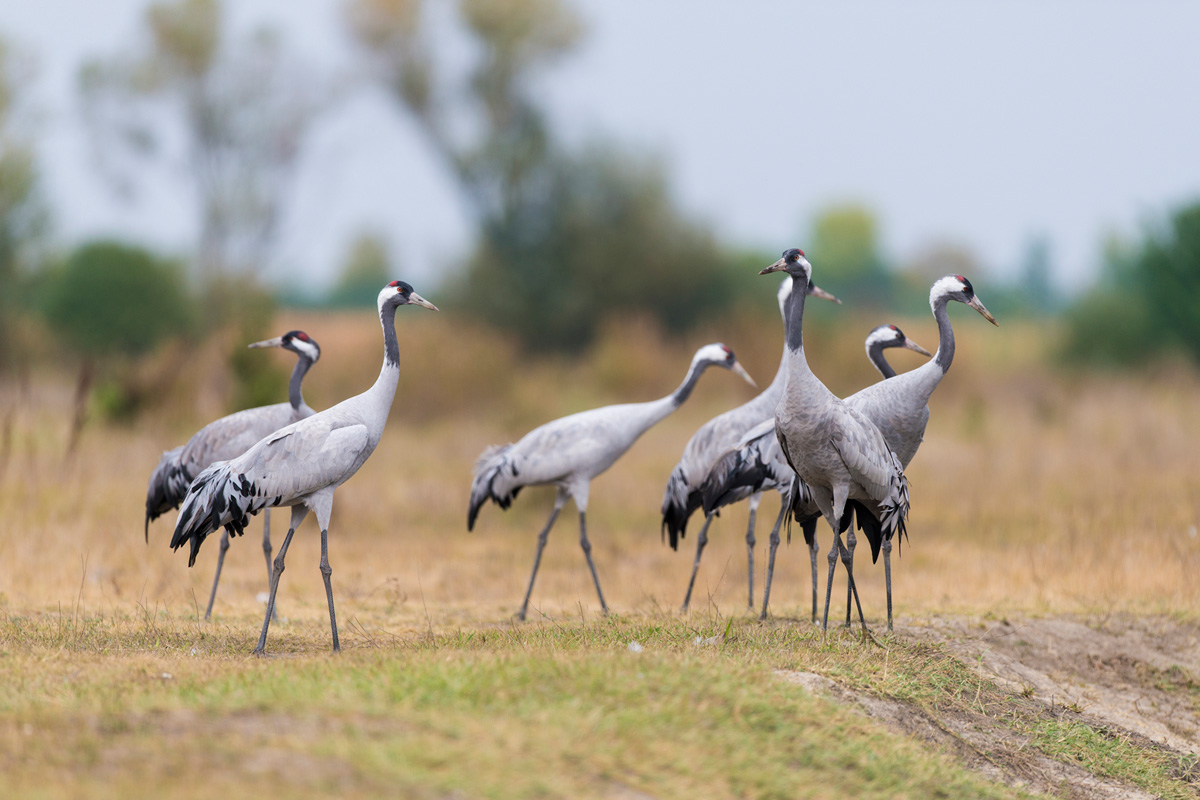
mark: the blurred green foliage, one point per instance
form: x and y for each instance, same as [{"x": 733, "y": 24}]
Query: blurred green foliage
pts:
[
  {"x": 1147, "y": 302},
  {"x": 602, "y": 236},
  {"x": 844, "y": 244},
  {"x": 228, "y": 112},
  {"x": 110, "y": 298},
  {"x": 246, "y": 309},
  {"x": 367, "y": 269},
  {"x": 565, "y": 238},
  {"x": 23, "y": 215}
]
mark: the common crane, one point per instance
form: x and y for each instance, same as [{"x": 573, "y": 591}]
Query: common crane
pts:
[
  {"x": 300, "y": 465},
  {"x": 899, "y": 407},
  {"x": 226, "y": 438},
  {"x": 756, "y": 464},
  {"x": 834, "y": 449},
  {"x": 682, "y": 495},
  {"x": 569, "y": 452}
]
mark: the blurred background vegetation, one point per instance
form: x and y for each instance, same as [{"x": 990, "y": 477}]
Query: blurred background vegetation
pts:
[{"x": 575, "y": 245}]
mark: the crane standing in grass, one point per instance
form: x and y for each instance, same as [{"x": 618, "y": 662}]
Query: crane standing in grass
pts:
[
  {"x": 756, "y": 464},
  {"x": 899, "y": 407},
  {"x": 569, "y": 452},
  {"x": 300, "y": 465},
  {"x": 226, "y": 438},
  {"x": 835, "y": 450},
  {"x": 682, "y": 495}
]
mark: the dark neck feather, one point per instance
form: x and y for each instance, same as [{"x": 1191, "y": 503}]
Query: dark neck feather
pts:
[
  {"x": 875, "y": 353},
  {"x": 945, "y": 351},
  {"x": 298, "y": 372},
  {"x": 391, "y": 349},
  {"x": 794, "y": 313},
  {"x": 685, "y": 389}
]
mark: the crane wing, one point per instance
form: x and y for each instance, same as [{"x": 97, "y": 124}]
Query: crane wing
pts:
[
  {"x": 864, "y": 452},
  {"x": 304, "y": 457},
  {"x": 230, "y": 436}
]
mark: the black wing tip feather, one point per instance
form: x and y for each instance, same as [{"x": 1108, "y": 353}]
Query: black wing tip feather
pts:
[{"x": 675, "y": 519}]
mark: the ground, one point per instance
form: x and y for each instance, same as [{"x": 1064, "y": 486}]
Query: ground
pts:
[{"x": 1047, "y": 609}]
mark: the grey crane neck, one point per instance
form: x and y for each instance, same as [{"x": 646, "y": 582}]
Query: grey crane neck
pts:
[
  {"x": 875, "y": 353},
  {"x": 945, "y": 351},
  {"x": 794, "y": 314},
  {"x": 689, "y": 383},
  {"x": 391, "y": 348},
  {"x": 298, "y": 372}
]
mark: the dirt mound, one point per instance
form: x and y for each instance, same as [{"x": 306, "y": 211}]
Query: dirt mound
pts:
[
  {"x": 1136, "y": 673},
  {"x": 1129, "y": 679}
]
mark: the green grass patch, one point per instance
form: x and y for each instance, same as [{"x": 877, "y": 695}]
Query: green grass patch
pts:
[{"x": 150, "y": 704}]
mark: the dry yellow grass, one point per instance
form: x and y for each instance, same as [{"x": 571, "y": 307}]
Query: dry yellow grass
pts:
[{"x": 1033, "y": 492}]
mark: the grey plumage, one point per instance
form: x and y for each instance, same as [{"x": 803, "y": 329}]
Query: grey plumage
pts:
[
  {"x": 832, "y": 447},
  {"x": 230, "y": 435},
  {"x": 569, "y": 452},
  {"x": 682, "y": 495},
  {"x": 299, "y": 465},
  {"x": 226, "y": 438},
  {"x": 899, "y": 407},
  {"x": 757, "y": 464}
]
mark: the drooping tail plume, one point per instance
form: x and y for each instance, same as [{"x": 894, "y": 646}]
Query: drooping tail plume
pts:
[
  {"x": 217, "y": 497},
  {"x": 167, "y": 487},
  {"x": 491, "y": 467},
  {"x": 677, "y": 506}
]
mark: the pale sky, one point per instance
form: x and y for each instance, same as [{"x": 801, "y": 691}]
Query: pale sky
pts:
[{"x": 981, "y": 124}]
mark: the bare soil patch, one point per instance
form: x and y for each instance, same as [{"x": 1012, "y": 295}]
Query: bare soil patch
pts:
[
  {"x": 1140, "y": 674},
  {"x": 1129, "y": 678}
]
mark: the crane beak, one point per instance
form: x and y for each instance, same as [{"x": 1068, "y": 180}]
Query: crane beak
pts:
[
  {"x": 276, "y": 342},
  {"x": 817, "y": 291},
  {"x": 978, "y": 306},
  {"x": 916, "y": 348},
  {"x": 416, "y": 299},
  {"x": 778, "y": 266},
  {"x": 738, "y": 369}
]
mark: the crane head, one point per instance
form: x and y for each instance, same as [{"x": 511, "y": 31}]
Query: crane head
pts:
[
  {"x": 785, "y": 291},
  {"x": 718, "y": 355},
  {"x": 891, "y": 336},
  {"x": 956, "y": 287},
  {"x": 298, "y": 342},
  {"x": 793, "y": 263},
  {"x": 399, "y": 293}
]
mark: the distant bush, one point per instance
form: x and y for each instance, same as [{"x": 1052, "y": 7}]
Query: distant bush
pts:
[
  {"x": 601, "y": 237},
  {"x": 110, "y": 298},
  {"x": 1147, "y": 302}
]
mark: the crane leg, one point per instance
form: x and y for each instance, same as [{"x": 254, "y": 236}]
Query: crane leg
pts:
[
  {"x": 851, "y": 542},
  {"x": 217, "y": 578},
  {"x": 750, "y": 542},
  {"x": 267, "y": 552},
  {"x": 701, "y": 541},
  {"x": 810, "y": 533},
  {"x": 326, "y": 572},
  {"x": 887, "y": 575},
  {"x": 847, "y": 562},
  {"x": 275, "y": 575},
  {"x": 537, "y": 560},
  {"x": 833, "y": 556},
  {"x": 587, "y": 551},
  {"x": 771, "y": 557}
]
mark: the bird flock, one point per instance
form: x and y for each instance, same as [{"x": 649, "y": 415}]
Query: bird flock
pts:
[{"x": 825, "y": 456}]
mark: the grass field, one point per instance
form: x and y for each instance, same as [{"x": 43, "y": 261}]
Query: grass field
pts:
[{"x": 1035, "y": 493}]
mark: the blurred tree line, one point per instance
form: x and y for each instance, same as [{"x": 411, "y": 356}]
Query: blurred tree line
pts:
[
  {"x": 565, "y": 236},
  {"x": 1146, "y": 302}
]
